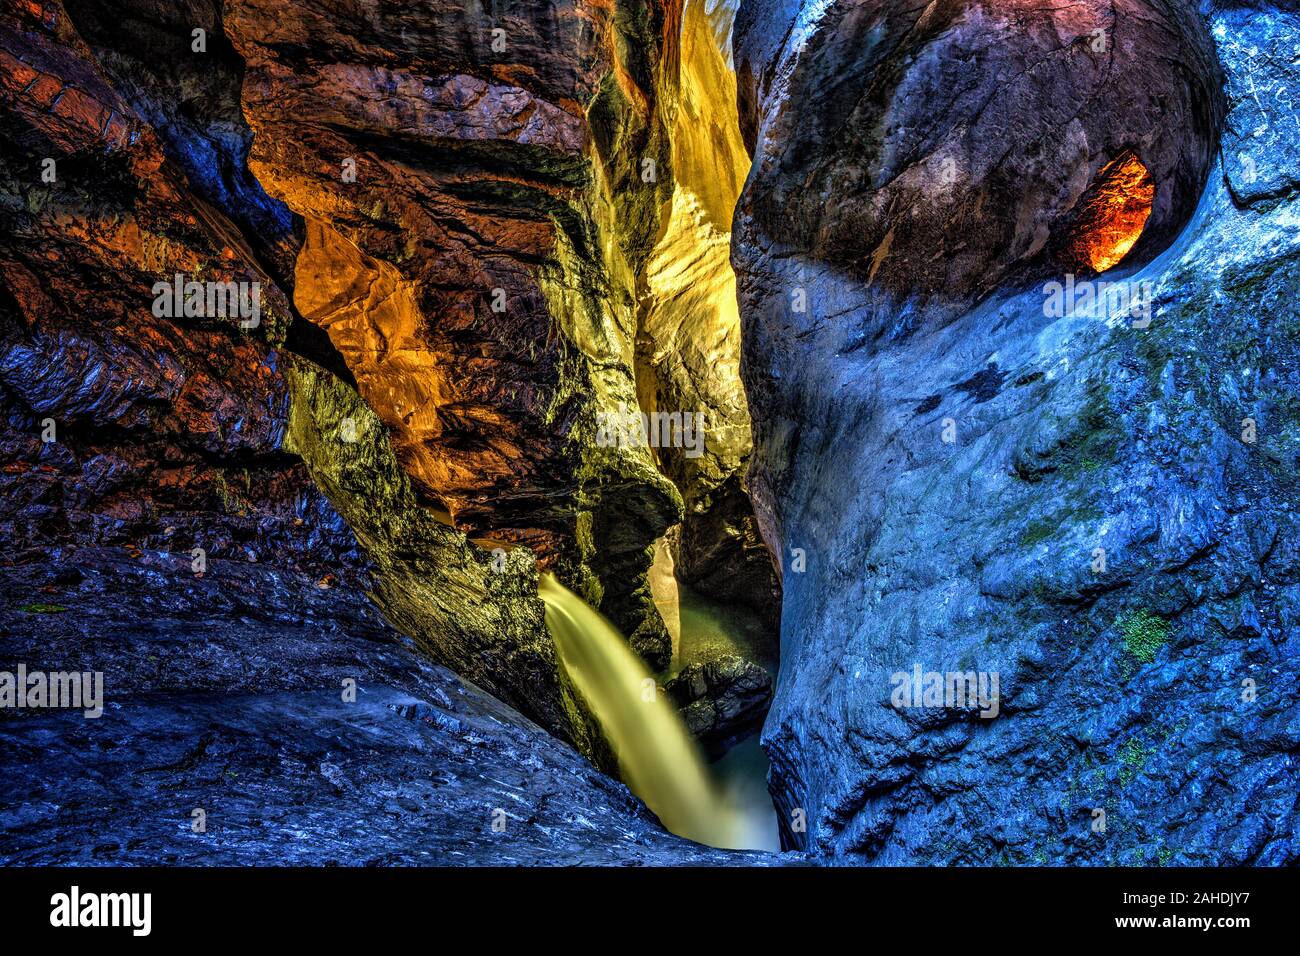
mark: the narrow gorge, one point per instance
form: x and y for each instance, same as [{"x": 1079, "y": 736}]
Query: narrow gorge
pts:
[{"x": 589, "y": 431}]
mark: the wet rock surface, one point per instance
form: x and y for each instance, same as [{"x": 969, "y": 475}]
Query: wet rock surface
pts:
[
  {"x": 688, "y": 338},
  {"x": 1099, "y": 509},
  {"x": 123, "y": 426},
  {"x": 469, "y": 608},
  {"x": 721, "y": 699},
  {"x": 447, "y": 162},
  {"x": 225, "y": 693}
]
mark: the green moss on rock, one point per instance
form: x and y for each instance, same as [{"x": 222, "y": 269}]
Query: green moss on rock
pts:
[{"x": 1144, "y": 633}]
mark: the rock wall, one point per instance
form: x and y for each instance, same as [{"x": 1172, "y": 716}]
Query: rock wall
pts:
[
  {"x": 444, "y": 162},
  {"x": 688, "y": 337},
  {"x": 1095, "y": 502},
  {"x": 118, "y": 427},
  {"x": 230, "y": 698}
]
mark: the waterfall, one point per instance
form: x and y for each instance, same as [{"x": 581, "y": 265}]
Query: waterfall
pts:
[{"x": 657, "y": 757}]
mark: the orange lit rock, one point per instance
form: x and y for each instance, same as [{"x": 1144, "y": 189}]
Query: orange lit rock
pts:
[
  {"x": 937, "y": 151},
  {"x": 448, "y": 186},
  {"x": 1113, "y": 214},
  {"x": 166, "y": 432}
]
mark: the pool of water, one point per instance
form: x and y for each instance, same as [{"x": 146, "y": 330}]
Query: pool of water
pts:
[
  {"x": 741, "y": 773},
  {"x": 702, "y": 629}
]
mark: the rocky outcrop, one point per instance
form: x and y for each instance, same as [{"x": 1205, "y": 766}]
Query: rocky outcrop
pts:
[
  {"x": 1088, "y": 492},
  {"x": 688, "y": 338},
  {"x": 447, "y": 164},
  {"x": 475, "y": 611},
  {"x": 721, "y": 699},
  {"x": 119, "y": 427}
]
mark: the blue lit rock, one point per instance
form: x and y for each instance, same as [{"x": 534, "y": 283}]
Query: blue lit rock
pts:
[
  {"x": 225, "y": 693},
  {"x": 948, "y": 458}
]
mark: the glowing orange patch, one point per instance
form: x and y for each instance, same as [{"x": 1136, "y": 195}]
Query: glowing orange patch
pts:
[{"x": 1114, "y": 214}]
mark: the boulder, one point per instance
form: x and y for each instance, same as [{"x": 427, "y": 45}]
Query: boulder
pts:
[{"x": 721, "y": 699}]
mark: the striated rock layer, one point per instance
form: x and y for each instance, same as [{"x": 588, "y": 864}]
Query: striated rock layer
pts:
[
  {"x": 118, "y": 427},
  {"x": 448, "y": 217},
  {"x": 1093, "y": 500}
]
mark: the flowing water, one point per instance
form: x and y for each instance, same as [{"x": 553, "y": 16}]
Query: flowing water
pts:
[{"x": 657, "y": 756}]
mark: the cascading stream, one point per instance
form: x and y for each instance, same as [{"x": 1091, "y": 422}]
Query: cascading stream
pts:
[{"x": 657, "y": 757}]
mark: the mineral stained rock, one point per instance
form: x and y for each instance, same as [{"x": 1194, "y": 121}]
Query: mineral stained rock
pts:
[
  {"x": 125, "y": 153},
  {"x": 118, "y": 427},
  {"x": 1094, "y": 503},
  {"x": 449, "y": 163},
  {"x": 129, "y": 160}
]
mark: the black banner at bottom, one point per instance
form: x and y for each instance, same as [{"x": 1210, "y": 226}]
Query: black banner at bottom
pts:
[{"x": 333, "y": 905}]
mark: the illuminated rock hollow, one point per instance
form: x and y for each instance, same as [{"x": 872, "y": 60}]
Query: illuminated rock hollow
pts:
[{"x": 1113, "y": 214}]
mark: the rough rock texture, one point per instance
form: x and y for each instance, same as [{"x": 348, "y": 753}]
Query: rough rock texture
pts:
[
  {"x": 721, "y": 699},
  {"x": 688, "y": 339},
  {"x": 940, "y": 151},
  {"x": 470, "y": 609},
  {"x": 446, "y": 161},
  {"x": 720, "y": 552},
  {"x": 1261, "y": 148},
  {"x": 226, "y": 693},
  {"x": 162, "y": 433},
  {"x": 170, "y": 432},
  {"x": 191, "y": 101},
  {"x": 1099, "y": 510}
]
